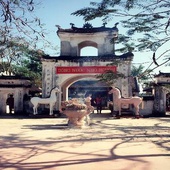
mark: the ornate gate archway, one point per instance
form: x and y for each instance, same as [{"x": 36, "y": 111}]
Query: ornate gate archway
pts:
[{"x": 70, "y": 67}]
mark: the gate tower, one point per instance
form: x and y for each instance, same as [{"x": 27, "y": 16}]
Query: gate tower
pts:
[{"x": 69, "y": 67}]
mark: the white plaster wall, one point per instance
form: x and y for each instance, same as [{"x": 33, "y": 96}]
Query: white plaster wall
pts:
[
  {"x": 17, "y": 91},
  {"x": 70, "y": 41},
  {"x": 48, "y": 76},
  {"x": 51, "y": 79},
  {"x": 18, "y": 98}
]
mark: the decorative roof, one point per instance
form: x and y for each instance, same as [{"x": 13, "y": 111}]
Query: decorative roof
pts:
[
  {"x": 161, "y": 74},
  {"x": 14, "y": 85},
  {"x": 12, "y": 82},
  {"x": 111, "y": 57},
  {"x": 87, "y": 28},
  {"x": 14, "y": 77}
]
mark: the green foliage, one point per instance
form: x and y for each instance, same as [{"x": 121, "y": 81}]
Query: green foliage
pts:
[
  {"x": 109, "y": 77},
  {"x": 17, "y": 19},
  {"x": 104, "y": 9},
  {"x": 139, "y": 72},
  {"x": 11, "y": 53},
  {"x": 18, "y": 59},
  {"x": 30, "y": 67},
  {"x": 147, "y": 22},
  {"x": 20, "y": 31}
]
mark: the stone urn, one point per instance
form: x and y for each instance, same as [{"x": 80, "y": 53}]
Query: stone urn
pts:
[{"x": 76, "y": 112}]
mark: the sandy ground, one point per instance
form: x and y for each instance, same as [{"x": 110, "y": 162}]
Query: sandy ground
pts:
[{"x": 107, "y": 144}]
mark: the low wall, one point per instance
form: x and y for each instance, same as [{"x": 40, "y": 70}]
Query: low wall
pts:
[{"x": 148, "y": 102}]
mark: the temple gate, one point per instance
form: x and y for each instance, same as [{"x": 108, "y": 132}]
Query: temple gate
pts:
[{"x": 69, "y": 68}]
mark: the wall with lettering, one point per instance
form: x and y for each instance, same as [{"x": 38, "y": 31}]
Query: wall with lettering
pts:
[{"x": 64, "y": 73}]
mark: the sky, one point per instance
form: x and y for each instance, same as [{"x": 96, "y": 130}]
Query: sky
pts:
[{"x": 58, "y": 12}]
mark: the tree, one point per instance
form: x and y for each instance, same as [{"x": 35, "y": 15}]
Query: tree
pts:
[
  {"x": 148, "y": 23},
  {"x": 20, "y": 31},
  {"x": 18, "y": 59},
  {"x": 17, "y": 19},
  {"x": 138, "y": 72},
  {"x": 109, "y": 77},
  {"x": 11, "y": 52},
  {"x": 30, "y": 67}
]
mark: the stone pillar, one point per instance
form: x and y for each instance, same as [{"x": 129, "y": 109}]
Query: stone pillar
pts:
[
  {"x": 124, "y": 87},
  {"x": 158, "y": 107},
  {"x": 18, "y": 100},
  {"x": 48, "y": 76}
]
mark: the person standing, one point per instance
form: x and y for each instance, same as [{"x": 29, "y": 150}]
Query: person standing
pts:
[
  {"x": 10, "y": 102},
  {"x": 99, "y": 104}
]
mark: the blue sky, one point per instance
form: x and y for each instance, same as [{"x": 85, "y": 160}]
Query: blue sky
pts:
[{"x": 58, "y": 12}]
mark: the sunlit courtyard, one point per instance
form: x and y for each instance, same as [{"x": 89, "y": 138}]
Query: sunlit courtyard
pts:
[{"x": 106, "y": 144}]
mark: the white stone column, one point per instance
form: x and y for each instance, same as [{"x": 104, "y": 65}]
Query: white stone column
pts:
[
  {"x": 18, "y": 100},
  {"x": 48, "y": 76}
]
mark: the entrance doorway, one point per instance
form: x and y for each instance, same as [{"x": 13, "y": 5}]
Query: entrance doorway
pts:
[{"x": 83, "y": 88}]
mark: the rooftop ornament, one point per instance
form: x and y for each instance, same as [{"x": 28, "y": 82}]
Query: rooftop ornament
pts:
[{"x": 87, "y": 25}]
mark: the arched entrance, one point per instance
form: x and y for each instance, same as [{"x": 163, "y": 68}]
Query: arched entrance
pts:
[
  {"x": 75, "y": 74},
  {"x": 85, "y": 44},
  {"x": 81, "y": 86},
  {"x": 89, "y": 51}
]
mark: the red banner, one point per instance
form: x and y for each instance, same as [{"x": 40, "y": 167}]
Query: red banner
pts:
[{"x": 84, "y": 69}]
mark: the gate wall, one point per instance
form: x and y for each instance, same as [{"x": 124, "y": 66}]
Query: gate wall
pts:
[
  {"x": 63, "y": 81},
  {"x": 72, "y": 41}
]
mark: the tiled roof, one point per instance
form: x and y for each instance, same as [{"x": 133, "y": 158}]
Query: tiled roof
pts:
[
  {"x": 87, "y": 28},
  {"x": 163, "y": 74},
  {"x": 14, "y": 85},
  {"x": 11, "y": 83},
  {"x": 128, "y": 55},
  {"x": 14, "y": 77}
]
